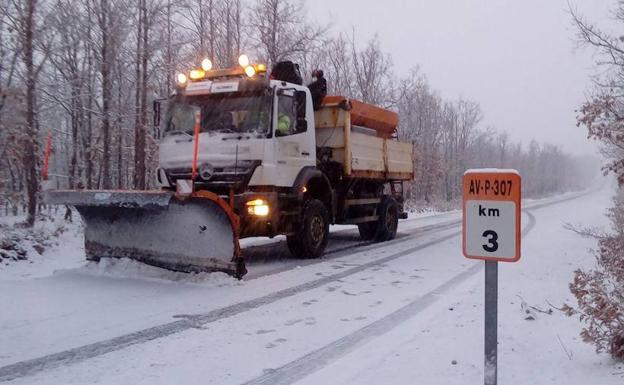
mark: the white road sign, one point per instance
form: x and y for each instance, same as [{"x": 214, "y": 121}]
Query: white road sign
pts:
[{"x": 491, "y": 215}]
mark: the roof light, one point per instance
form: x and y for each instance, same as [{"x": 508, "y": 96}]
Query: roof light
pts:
[
  {"x": 197, "y": 74},
  {"x": 250, "y": 71},
  {"x": 261, "y": 67},
  {"x": 181, "y": 79},
  {"x": 206, "y": 64},
  {"x": 243, "y": 60}
]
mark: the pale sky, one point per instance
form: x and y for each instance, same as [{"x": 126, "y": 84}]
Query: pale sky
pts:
[{"x": 517, "y": 58}]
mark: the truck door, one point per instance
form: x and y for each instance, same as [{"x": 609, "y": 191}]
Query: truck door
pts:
[{"x": 294, "y": 134}]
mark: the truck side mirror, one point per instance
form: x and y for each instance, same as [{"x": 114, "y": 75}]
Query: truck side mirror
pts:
[
  {"x": 300, "y": 111},
  {"x": 300, "y": 104}
]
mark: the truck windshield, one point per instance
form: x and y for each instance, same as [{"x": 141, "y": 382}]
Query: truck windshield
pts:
[{"x": 220, "y": 113}]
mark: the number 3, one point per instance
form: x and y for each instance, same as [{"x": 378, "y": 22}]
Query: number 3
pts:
[{"x": 492, "y": 237}]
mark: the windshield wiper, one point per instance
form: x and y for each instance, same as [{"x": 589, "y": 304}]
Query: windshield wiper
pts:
[{"x": 238, "y": 137}]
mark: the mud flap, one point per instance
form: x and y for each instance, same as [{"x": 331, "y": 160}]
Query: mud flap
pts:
[{"x": 195, "y": 234}]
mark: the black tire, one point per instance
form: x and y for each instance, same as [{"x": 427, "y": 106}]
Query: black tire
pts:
[
  {"x": 367, "y": 230},
  {"x": 388, "y": 222},
  {"x": 311, "y": 240},
  {"x": 294, "y": 245}
]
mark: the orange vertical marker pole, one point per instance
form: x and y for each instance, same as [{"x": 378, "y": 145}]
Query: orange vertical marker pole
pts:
[{"x": 46, "y": 156}]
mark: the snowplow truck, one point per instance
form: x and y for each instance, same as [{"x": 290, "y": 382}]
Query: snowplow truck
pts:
[{"x": 244, "y": 154}]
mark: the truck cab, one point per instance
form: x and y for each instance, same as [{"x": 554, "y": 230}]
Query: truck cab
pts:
[{"x": 262, "y": 136}]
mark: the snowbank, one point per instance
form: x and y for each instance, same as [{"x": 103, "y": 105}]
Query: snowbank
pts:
[
  {"x": 125, "y": 268},
  {"x": 18, "y": 243},
  {"x": 51, "y": 244}
]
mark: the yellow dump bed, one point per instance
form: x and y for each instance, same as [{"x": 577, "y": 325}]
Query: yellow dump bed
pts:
[{"x": 362, "y": 137}]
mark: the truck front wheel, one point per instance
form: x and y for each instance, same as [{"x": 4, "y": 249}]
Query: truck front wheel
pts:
[{"x": 310, "y": 241}]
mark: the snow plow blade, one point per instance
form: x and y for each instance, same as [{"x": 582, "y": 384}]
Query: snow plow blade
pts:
[{"x": 198, "y": 233}]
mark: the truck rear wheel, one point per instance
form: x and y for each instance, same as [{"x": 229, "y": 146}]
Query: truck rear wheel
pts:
[
  {"x": 311, "y": 240},
  {"x": 388, "y": 219},
  {"x": 385, "y": 228}
]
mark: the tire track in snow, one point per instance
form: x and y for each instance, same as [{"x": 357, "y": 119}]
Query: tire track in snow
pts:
[
  {"x": 82, "y": 353},
  {"x": 85, "y": 352},
  {"x": 312, "y": 362},
  {"x": 353, "y": 248}
]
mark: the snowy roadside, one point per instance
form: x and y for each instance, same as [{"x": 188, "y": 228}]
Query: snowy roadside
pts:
[{"x": 29, "y": 253}]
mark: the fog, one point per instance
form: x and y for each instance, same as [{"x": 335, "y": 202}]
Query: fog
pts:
[{"x": 518, "y": 59}]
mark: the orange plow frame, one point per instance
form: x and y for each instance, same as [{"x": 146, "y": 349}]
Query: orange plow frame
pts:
[{"x": 234, "y": 219}]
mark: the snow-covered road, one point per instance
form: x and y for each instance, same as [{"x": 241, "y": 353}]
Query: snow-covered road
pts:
[{"x": 367, "y": 313}]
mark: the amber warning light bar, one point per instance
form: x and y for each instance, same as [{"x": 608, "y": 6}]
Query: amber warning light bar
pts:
[{"x": 206, "y": 71}]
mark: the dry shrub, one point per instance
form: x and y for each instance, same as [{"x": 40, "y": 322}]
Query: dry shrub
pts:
[{"x": 600, "y": 291}]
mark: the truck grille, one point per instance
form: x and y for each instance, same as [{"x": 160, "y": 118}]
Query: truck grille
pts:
[{"x": 229, "y": 175}]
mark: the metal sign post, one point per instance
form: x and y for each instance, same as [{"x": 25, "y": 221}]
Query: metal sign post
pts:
[
  {"x": 491, "y": 232},
  {"x": 491, "y": 322}
]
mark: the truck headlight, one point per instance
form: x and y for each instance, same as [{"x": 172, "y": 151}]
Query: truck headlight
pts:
[{"x": 258, "y": 207}]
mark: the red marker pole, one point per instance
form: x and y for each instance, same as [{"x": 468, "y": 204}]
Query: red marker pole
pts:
[
  {"x": 46, "y": 156},
  {"x": 196, "y": 148}
]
